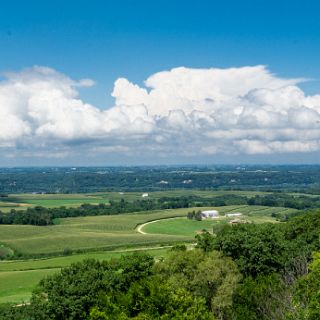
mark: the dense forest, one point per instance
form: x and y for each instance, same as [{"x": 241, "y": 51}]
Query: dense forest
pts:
[
  {"x": 91, "y": 179},
  {"x": 245, "y": 272},
  {"x": 43, "y": 216}
]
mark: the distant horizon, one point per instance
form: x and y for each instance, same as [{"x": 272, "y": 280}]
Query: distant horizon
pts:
[{"x": 167, "y": 166}]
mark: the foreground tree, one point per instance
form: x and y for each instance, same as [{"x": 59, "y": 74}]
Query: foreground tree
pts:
[
  {"x": 307, "y": 294},
  {"x": 207, "y": 275},
  {"x": 266, "y": 297},
  {"x": 149, "y": 301},
  {"x": 70, "y": 294}
]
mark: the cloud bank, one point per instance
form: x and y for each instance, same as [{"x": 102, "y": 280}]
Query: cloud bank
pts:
[{"x": 183, "y": 111}]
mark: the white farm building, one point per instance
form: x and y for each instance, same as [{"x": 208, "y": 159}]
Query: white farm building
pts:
[{"x": 209, "y": 214}]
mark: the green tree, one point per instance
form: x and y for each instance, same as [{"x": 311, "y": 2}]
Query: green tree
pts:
[
  {"x": 154, "y": 299},
  {"x": 257, "y": 249},
  {"x": 205, "y": 241},
  {"x": 307, "y": 294},
  {"x": 266, "y": 297},
  {"x": 71, "y": 293},
  {"x": 207, "y": 275}
]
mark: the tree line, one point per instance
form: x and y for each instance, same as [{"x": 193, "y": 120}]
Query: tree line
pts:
[
  {"x": 84, "y": 180},
  {"x": 43, "y": 216}
]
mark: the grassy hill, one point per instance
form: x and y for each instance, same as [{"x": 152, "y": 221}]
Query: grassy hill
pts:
[
  {"x": 117, "y": 233},
  {"x": 186, "y": 227}
]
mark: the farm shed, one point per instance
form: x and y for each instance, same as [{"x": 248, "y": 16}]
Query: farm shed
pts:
[{"x": 209, "y": 214}]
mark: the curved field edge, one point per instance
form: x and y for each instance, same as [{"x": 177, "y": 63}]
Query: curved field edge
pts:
[
  {"x": 88, "y": 233},
  {"x": 185, "y": 227},
  {"x": 18, "y": 278}
]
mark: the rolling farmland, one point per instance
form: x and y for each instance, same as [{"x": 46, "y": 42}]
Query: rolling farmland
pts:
[
  {"x": 184, "y": 227},
  {"x": 23, "y": 201},
  {"x": 100, "y": 237},
  {"x": 85, "y": 233}
]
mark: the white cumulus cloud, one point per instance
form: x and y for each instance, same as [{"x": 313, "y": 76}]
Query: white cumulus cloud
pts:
[{"x": 182, "y": 111}]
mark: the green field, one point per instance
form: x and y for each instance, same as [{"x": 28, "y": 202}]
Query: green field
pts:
[
  {"x": 185, "y": 227},
  {"x": 87, "y": 233},
  {"x": 16, "y": 286},
  {"x": 110, "y": 232},
  {"x": 19, "y": 278},
  {"x": 23, "y": 201},
  {"x": 100, "y": 237}
]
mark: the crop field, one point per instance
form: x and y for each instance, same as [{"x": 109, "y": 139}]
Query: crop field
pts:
[
  {"x": 131, "y": 196},
  {"x": 84, "y": 233},
  {"x": 23, "y": 201},
  {"x": 109, "y": 232},
  {"x": 185, "y": 227},
  {"x": 19, "y": 278},
  {"x": 16, "y": 286}
]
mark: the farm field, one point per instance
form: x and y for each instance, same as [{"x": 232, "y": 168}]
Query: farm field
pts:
[
  {"x": 115, "y": 231},
  {"x": 104, "y": 237},
  {"x": 19, "y": 278},
  {"x": 184, "y": 227},
  {"x": 23, "y": 201},
  {"x": 16, "y": 286},
  {"x": 88, "y": 233}
]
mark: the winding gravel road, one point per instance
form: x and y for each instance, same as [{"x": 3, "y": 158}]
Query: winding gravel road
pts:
[{"x": 141, "y": 226}]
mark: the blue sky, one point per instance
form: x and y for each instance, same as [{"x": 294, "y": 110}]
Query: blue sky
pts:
[{"x": 105, "y": 40}]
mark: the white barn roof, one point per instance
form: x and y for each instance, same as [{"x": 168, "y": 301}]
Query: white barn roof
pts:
[{"x": 210, "y": 213}]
